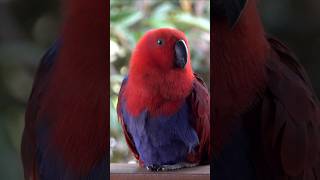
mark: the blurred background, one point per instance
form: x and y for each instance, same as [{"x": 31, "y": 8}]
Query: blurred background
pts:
[
  {"x": 129, "y": 20},
  {"x": 27, "y": 28}
]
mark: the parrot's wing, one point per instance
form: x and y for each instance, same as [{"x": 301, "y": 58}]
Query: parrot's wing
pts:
[
  {"x": 289, "y": 58},
  {"x": 59, "y": 141},
  {"x": 28, "y": 146},
  {"x": 200, "y": 104},
  {"x": 66, "y": 129},
  {"x": 126, "y": 133},
  {"x": 290, "y": 117}
]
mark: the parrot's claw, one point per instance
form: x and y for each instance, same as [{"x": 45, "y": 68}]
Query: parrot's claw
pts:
[
  {"x": 154, "y": 167},
  {"x": 177, "y": 166},
  {"x": 170, "y": 167}
]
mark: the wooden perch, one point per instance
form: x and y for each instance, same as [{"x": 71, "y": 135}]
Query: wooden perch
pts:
[{"x": 133, "y": 172}]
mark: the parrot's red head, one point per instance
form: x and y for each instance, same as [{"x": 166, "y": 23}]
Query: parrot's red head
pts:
[
  {"x": 160, "y": 74},
  {"x": 162, "y": 49}
]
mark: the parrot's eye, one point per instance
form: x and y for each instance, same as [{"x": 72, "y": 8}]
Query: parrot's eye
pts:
[{"x": 159, "y": 42}]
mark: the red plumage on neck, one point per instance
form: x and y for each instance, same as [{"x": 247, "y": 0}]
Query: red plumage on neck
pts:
[
  {"x": 77, "y": 92},
  {"x": 239, "y": 59},
  {"x": 153, "y": 83}
]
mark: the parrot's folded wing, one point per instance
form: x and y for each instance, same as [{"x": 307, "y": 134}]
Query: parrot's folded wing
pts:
[
  {"x": 289, "y": 59},
  {"x": 290, "y": 117},
  {"x": 126, "y": 133},
  {"x": 28, "y": 147},
  {"x": 50, "y": 149},
  {"x": 200, "y": 104}
]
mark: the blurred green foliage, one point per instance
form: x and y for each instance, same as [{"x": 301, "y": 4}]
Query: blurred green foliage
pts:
[{"x": 129, "y": 20}]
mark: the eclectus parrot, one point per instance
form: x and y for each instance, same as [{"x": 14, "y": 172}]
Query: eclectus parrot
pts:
[
  {"x": 163, "y": 106},
  {"x": 66, "y": 128},
  {"x": 266, "y": 114}
]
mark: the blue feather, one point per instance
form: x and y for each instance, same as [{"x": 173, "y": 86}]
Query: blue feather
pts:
[
  {"x": 236, "y": 159},
  {"x": 50, "y": 164},
  {"x": 164, "y": 139}
]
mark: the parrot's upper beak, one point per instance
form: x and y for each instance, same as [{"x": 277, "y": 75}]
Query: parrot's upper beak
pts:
[{"x": 181, "y": 54}]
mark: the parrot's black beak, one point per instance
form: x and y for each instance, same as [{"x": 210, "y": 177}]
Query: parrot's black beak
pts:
[{"x": 181, "y": 54}]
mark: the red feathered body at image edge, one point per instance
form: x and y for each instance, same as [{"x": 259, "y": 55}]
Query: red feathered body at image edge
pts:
[
  {"x": 266, "y": 114},
  {"x": 66, "y": 128},
  {"x": 163, "y": 106}
]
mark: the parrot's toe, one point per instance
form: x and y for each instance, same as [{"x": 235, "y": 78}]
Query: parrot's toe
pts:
[
  {"x": 154, "y": 167},
  {"x": 177, "y": 166}
]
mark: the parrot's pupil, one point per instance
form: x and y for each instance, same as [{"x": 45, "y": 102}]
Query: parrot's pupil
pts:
[{"x": 159, "y": 41}]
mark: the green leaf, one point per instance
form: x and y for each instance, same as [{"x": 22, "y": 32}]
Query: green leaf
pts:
[
  {"x": 190, "y": 20},
  {"x": 126, "y": 20},
  {"x": 162, "y": 11}
]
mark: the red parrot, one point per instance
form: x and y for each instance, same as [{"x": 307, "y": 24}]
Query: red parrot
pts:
[
  {"x": 163, "y": 106},
  {"x": 66, "y": 128},
  {"x": 266, "y": 114}
]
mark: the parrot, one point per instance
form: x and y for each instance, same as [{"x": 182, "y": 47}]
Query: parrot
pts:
[
  {"x": 266, "y": 113},
  {"x": 163, "y": 107},
  {"x": 66, "y": 131}
]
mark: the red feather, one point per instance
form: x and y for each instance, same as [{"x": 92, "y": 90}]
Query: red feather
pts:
[
  {"x": 74, "y": 105},
  {"x": 258, "y": 81},
  {"x": 77, "y": 93},
  {"x": 199, "y": 100},
  {"x": 127, "y": 135},
  {"x": 151, "y": 85},
  {"x": 155, "y": 85},
  {"x": 238, "y": 69}
]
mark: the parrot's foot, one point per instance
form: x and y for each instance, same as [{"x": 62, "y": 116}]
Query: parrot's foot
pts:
[
  {"x": 177, "y": 166},
  {"x": 154, "y": 167},
  {"x": 170, "y": 167}
]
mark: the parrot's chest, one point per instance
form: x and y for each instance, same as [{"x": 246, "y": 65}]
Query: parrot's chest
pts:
[
  {"x": 237, "y": 160},
  {"x": 164, "y": 139}
]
